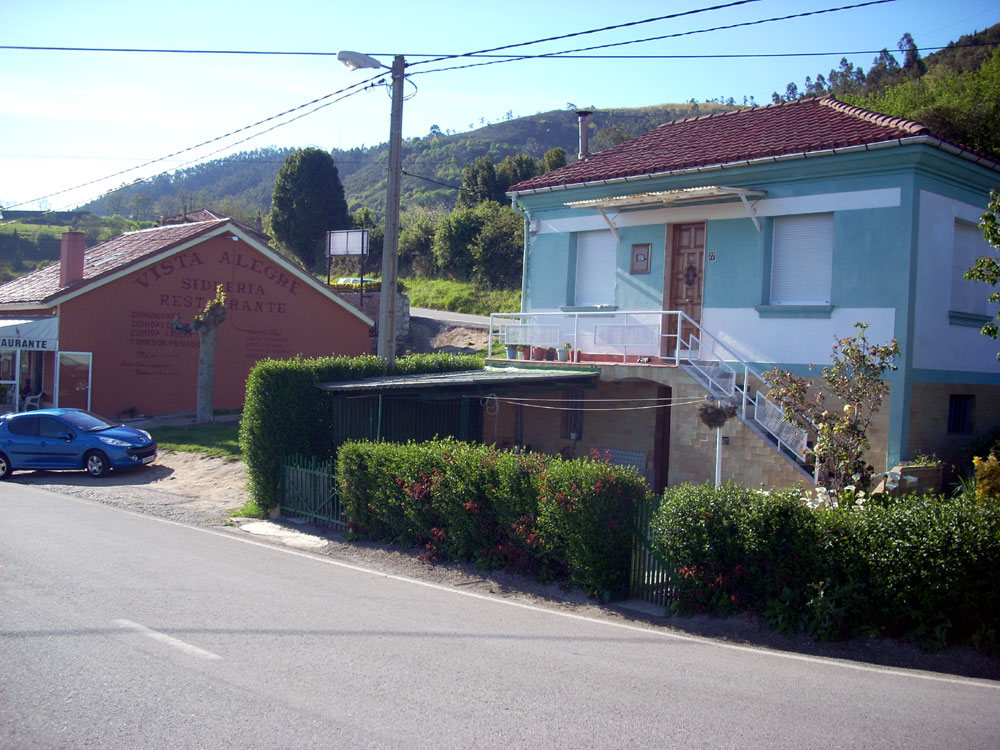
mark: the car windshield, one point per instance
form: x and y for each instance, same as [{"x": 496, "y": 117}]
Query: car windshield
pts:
[{"x": 86, "y": 422}]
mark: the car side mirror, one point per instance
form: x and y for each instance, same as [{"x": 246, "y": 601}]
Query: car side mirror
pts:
[{"x": 67, "y": 436}]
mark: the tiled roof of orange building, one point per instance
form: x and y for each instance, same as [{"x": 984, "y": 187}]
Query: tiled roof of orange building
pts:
[
  {"x": 802, "y": 126},
  {"x": 102, "y": 260}
]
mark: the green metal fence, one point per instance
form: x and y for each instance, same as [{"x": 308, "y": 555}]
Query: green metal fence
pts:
[
  {"x": 307, "y": 490},
  {"x": 649, "y": 579}
]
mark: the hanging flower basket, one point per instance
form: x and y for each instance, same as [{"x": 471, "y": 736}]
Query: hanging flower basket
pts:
[{"x": 714, "y": 416}]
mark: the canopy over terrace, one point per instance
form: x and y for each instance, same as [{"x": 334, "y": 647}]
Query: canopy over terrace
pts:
[
  {"x": 662, "y": 198},
  {"x": 22, "y": 343},
  {"x": 423, "y": 406}
]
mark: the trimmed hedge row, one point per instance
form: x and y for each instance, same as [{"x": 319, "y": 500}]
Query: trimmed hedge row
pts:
[
  {"x": 923, "y": 567},
  {"x": 285, "y": 414},
  {"x": 537, "y": 515}
]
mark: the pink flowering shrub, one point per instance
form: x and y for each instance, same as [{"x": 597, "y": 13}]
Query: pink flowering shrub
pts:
[{"x": 537, "y": 515}]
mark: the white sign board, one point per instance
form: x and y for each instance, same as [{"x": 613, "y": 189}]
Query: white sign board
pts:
[{"x": 347, "y": 242}]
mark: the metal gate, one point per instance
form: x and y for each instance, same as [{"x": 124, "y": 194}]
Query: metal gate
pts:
[
  {"x": 649, "y": 578},
  {"x": 307, "y": 490}
]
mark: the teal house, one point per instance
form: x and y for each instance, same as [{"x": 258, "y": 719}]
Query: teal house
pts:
[{"x": 680, "y": 265}]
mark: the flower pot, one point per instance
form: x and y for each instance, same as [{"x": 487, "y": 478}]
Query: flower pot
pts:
[
  {"x": 562, "y": 354},
  {"x": 511, "y": 352},
  {"x": 538, "y": 353}
]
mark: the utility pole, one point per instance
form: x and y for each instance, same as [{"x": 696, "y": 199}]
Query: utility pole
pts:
[{"x": 390, "y": 246}]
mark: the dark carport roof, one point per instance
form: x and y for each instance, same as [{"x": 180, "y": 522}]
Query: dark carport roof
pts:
[{"x": 479, "y": 381}]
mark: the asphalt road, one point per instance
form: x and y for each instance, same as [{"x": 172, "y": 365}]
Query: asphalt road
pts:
[
  {"x": 122, "y": 630},
  {"x": 451, "y": 318}
]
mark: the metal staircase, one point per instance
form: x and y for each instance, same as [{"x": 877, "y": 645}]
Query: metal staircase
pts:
[{"x": 726, "y": 377}]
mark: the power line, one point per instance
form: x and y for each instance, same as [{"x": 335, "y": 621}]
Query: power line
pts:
[
  {"x": 439, "y": 57},
  {"x": 552, "y": 55},
  {"x": 428, "y": 179},
  {"x": 354, "y": 88},
  {"x": 596, "y": 31},
  {"x": 357, "y": 88}
]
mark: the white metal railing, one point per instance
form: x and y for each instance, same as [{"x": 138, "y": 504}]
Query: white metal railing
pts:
[{"x": 666, "y": 336}]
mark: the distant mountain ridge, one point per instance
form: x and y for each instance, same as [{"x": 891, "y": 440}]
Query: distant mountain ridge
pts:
[{"x": 241, "y": 185}]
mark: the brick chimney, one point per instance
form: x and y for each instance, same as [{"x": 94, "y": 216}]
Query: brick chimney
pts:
[{"x": 71, "y": 258}]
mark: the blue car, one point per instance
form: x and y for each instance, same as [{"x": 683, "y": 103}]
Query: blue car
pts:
[{"x": 70, "y": 439}]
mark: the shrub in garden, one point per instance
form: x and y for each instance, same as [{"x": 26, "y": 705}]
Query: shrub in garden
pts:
[
  {"x": 921, "y": 567},
  {"x": 733, "y": 548},
  {"x": 534, "y": 514},
  {"x": 284, "y": 414},
  {"x": 584, "y": 519}
]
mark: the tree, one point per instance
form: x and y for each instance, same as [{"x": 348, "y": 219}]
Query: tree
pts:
[
  {"x": 416, "y": 241},
  {"x": 987, "y": 269},
  {"x": 483, "y": 244},
  {"x": 855, "y": 380},
  {"x": 962, "y": 107},
  {"x": 479, "y": 183},
  {"x": 206, "y": 325},
  {"x": 513, "y": 170},
  {"x": 308, "y": 201},
  {"x": 554, "y": 158}
]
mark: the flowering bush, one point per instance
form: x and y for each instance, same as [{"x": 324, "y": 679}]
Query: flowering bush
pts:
[
  {"x": 533, "y": 514},
  {"x": 855, "y": 379},
  {"x": 987, "y": 477}
]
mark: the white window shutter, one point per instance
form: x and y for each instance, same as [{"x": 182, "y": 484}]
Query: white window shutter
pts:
[
  {"x": 802, "y": 260},
  {"x": 968, "y": 296},
  {"x": 596, "y": 266}
]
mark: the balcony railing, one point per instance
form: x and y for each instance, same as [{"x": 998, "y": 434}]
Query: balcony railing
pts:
[{"x": 656, "y": 337}]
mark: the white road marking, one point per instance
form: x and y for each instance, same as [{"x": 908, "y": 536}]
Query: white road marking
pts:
[{"x": 156, "y": 635}]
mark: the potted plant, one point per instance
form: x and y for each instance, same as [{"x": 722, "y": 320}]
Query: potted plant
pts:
[
  {"x": 511, "y": 351},
  {"x": 525, "y": 351},
  {"x": 563, "y": 352}
]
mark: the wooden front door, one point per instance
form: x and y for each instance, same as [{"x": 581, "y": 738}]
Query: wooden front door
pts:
[{"x": 684, "y": 276}]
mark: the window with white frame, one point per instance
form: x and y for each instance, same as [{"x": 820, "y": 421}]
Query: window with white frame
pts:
[
  {"x": 968, "y": 296},
  {"x": 596, "y": 264},
  {"x": 802, "y": 260}
]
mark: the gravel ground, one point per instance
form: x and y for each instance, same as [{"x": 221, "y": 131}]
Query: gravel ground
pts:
[{"x": 201, "y": 491}]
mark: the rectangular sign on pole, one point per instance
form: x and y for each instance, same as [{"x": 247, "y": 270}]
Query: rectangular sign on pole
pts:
[{"x": 347, "y": 242}]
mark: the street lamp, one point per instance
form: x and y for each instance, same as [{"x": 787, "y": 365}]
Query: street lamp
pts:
[{"x": 390, "y": 246}]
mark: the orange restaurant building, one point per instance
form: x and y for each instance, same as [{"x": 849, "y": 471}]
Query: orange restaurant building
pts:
[{"x": 98, "y": 330}]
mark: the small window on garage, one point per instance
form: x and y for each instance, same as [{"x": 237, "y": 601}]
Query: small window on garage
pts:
[{"x": 960, "y": 411}]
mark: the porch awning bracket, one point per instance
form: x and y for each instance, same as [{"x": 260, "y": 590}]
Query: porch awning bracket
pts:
[{"x": 611, "y": 226}]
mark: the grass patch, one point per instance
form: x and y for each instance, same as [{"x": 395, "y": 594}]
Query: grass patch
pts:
[
  {"x": 216, "y": 440},
  {"x": 460, "y": 297},
  {"x": 250, "y": 509}
]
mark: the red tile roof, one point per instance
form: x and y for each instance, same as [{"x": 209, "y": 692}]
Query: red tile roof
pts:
[
  {"x": 801, "y": 126},
  {"x": 38, "y": 287}
]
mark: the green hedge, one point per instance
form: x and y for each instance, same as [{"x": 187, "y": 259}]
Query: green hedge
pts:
[
  {"x": 284, "y": 414},
  {"x": 923, "y": 567},
  {"x": 537, "y": 515}
]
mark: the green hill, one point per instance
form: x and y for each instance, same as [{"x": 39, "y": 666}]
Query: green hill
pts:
[{"x": 241, "y": 185}]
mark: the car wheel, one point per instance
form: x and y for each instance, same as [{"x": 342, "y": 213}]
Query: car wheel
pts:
[
  {"x": 96, "y": 464},
  {"x": 5, "y": 469}
]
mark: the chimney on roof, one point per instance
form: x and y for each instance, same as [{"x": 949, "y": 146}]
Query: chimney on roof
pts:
[
  {"x": 583, "y": 114},
  {"x": 71, "y": 258}
]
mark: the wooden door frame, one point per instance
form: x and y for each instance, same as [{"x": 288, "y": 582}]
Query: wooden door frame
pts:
[{"x": 668, "y": 272}]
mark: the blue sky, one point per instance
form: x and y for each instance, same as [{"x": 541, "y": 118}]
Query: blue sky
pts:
[{"x": 68, "y": 118}]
